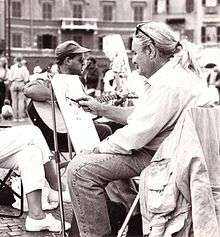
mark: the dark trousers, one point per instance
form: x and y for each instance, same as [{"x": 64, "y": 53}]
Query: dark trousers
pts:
[{"x": 2, "y": 95}]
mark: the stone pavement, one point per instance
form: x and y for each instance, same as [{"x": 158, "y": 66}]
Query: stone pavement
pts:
[{"x": 15, "y": 226}]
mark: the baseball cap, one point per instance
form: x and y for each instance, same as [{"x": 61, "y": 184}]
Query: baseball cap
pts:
[{"x": 69, "y": 47}]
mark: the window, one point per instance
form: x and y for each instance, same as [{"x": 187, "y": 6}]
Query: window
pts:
[
  {"x": 107, "y": 12},
  {"x": 203, "y": 39},
  {"x": 189, "y": 6},
  {"x": 46, "y": 41},
  {"x": 210, "y": 3},
  {"x": 138, "y": 13},
  {"x": 161, "y": 6},
  {"x": 218, "y": 34},
  {"x": 16, "y": 40},
  {"x": 77, "y": 11},
  {"x": 16, "y": 9},
  {"x": 47, "y": 10},
  {"x": 189, "y": 34},
  {"x": 209, "y": 34}
]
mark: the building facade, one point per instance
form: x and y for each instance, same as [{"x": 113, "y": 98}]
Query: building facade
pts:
[{"x": 37, "y": 26}]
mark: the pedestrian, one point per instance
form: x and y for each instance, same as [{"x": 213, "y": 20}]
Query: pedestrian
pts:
[
  {"x": 4, "y": 75},
  {"x": 91, "y": 76},
  {"x": 19, "y": 76}
]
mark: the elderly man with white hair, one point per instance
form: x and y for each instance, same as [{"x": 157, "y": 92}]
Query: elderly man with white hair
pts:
[{"x": 171, "y": 84}]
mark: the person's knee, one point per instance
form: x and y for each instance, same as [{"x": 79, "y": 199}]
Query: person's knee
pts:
[
  {"x": 30, "y": 159},
  {"x": 31, "y": 130},
  {"x": 74, "y": 166},
  {"x": 79, "y": 171},
  {"x": 35, "y": 130},
  {"x": 34, "y": 154}
]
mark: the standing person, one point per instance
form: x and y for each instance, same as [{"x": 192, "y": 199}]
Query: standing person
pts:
[
  {"x": 30, "y": 154},
  {"x": 19, "y": 76},
  {"x": 4, "y": 75},
  {"x": 173, "y": 85},
  {"x": 69, "y": 59},
  {"x": 91, "y": 76}
]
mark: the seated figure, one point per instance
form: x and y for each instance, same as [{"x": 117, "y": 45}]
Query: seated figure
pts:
[
  {"x": 24, "y": 148},
  {"x": 172, "y": 82},
  {"x": 69, "y": 58}
]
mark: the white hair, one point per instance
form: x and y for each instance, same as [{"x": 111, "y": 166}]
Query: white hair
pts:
[{"x": 165, "y": 40}]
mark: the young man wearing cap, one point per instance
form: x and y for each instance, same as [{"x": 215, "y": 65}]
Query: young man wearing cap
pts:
[{"x": 69, "y": 58}]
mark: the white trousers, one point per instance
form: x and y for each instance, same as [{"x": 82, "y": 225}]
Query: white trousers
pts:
[{"x": 24, "y": 148}]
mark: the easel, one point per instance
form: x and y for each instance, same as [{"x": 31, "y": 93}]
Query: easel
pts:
[{"x": 56, "y": 157}]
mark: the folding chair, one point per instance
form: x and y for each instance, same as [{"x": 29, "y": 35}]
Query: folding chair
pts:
[
  {"x": 3, "y": 184},
  {"x": 123, "y": 229}
]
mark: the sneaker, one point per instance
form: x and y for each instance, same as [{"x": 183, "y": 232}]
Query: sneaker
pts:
[
  {"x": 48, "y": 223},
  {"x": 54, "y": 197}
]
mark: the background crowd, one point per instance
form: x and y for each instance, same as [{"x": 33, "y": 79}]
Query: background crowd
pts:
[{"x": 13, "y": 103}]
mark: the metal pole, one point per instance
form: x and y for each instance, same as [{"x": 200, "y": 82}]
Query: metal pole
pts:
[
  {"x": 69, "y": 147},
  {"x": 124, "y": 225},
  {"x": 9, "y": 32},
  {"x": 5, "y": 26},
  {"x": 57, "y": 159},
  {"x": 31, "y": 24}
]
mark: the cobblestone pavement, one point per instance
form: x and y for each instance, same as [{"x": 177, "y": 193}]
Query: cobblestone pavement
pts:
[{"x": 15, "y": 226}]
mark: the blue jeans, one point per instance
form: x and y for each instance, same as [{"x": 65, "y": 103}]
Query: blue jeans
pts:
[{"x": 88, "y": 177}]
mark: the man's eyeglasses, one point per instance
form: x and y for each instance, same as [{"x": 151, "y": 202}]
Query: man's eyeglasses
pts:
[{"x": 138, "y": 28}]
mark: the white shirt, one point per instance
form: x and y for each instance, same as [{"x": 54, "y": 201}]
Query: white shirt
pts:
[
  {"x": 167, "y": 93},
  {"x": 19, "y": 73}
]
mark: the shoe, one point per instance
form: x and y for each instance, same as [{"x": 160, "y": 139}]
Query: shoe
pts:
[
  {"x": 48, "y": 223},
  {"x": 54, "y": 197}
]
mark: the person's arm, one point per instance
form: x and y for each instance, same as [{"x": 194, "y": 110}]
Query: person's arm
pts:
[
  {"x": 37, "y": 91},
  {"x": 117, "y": 114},
  {"x": 151, "y": 115}
]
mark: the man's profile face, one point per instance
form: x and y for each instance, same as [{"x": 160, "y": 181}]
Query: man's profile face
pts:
[
  {"x": 141, "y": 58},
  {"x": 75, "y": 64}
]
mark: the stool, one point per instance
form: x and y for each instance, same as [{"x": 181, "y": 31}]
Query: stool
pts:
[{"x": 20, "y": 196}]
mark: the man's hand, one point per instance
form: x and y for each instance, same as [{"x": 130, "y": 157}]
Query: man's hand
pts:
[
  {"x": 90, "y": 104},
  {"x": 87, "y": 152}
]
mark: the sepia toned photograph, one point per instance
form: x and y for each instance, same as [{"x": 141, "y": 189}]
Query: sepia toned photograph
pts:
[{"x": 109, "y": 118}]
